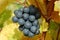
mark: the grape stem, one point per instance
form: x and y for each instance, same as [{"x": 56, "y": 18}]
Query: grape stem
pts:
[
  {"x": 58, "y": 33},
  {"x": 24, "y": 3},
  {"x": 45, "y": 16}
]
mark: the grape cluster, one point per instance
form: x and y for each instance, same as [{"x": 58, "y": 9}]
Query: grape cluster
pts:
[{"x": 27, "y": 18}]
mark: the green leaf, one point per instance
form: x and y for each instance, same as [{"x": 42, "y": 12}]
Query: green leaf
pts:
[
  {"x": 59, "y": 37},
  {"x": 52, "y": 32},
  {"x": 4, "y": 16},
  {"x": 17, "y": 5},
  {"x": 17, "y": 34},
  {"x": 4, "y": 4}
]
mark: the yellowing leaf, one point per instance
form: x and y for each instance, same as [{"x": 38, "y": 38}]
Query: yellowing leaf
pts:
[
  {"x": 8, "y": 31},
  {"x": 4, "y": 3},
  {"x": 57, "y": 6},
  {"x": 43, "y": 26}
]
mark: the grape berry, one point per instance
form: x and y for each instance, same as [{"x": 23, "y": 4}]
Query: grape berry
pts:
[{"x": 27, "y": 18}]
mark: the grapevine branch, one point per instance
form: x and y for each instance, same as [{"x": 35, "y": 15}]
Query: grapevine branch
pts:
[{"x": 45, "y": 16}]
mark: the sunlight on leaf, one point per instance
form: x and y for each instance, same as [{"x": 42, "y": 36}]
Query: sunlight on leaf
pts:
[{"x": 43, "y": 26}]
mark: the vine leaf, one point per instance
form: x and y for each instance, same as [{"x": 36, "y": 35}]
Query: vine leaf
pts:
[
  {"x": 52, "y": 32},
  {"x": 18, "y": 34},
  {"x": 5, "y": 15},
  {"x": 4, "y": 3}
]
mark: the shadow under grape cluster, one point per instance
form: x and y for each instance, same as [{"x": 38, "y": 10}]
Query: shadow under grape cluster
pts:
[{"x": 27, "y": 18}]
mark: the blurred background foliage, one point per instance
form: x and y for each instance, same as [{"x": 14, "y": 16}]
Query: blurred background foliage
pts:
[{"x": 9, "y": 30}]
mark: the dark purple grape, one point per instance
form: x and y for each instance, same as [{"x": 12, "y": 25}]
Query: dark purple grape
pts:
[
  {"x": 27, "y": 24},
  {"x": 18, "y": 13},
  {"x": 37, "y": 15},
  {"x": 37, "y": 32},
  {"x": 30, "y": 34},
  {"x": 21, "y": 9},
  {"x": 14, "y": 19},
  {"x": 33, "y": 29},
  {"x": 25, "y": 16},
  {"x": 25, "y": 32},
  {"x": 33, "y": 10},
  {"x": 38, "y": 27},
  {"x": 21, "y": 27},
  {"x": 21, "y": 21},
  {"x": 26, "y": 10},
  {"x": 31, "y": 6},
  {"x": 35, "y": 23},
  {"x": 32, "y": 18}
]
